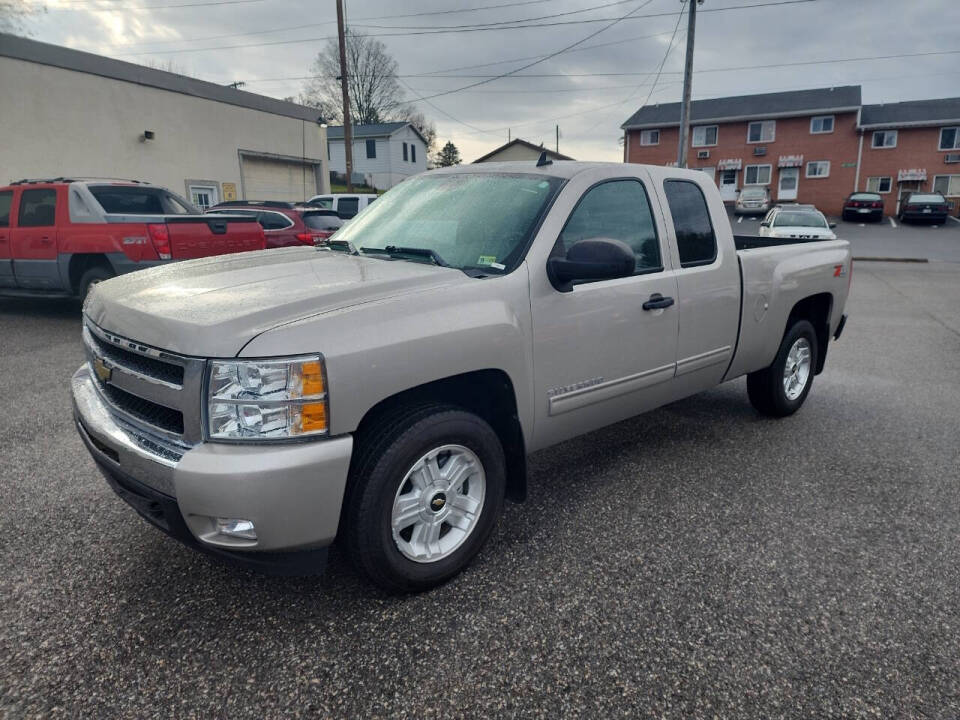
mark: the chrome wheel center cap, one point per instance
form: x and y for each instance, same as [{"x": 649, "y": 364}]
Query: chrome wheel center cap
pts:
[{"x": 438, "y": 502}]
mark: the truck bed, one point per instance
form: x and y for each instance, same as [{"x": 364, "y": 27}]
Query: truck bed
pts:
[{"x": 751, "y": 242}]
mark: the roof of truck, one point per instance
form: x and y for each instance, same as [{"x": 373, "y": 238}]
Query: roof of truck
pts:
[{"x": 558, "y": 168}]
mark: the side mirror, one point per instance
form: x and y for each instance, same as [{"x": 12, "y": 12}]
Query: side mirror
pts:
[
  {"x": 832, "y": 225},
  {"x": 591, "y": 259},
  {"x": 764, "y": 224}
]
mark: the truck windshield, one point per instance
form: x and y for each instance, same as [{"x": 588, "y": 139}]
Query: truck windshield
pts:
[
  {"x": 133, "y": 200},
  {"x": 800, "y": 219},
  {"x": 471, "y": 220}
]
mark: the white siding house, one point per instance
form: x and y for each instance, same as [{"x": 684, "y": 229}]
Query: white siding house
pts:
[{"x": 383, "y": 154}]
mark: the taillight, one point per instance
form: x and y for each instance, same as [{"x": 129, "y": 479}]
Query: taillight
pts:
[
  {"x": 160, "y": 237},
  {"x": 854, "y": 204},
  {"x": 263, "y": 238},
  {"x": 312, "y": 238}
]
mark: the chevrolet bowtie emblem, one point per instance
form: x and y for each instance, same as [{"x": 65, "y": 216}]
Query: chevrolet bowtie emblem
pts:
[{"x": 101, "y": 369}]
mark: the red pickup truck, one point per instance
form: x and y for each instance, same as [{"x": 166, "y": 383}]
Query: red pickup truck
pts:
[{"x": 58, "y": 237}]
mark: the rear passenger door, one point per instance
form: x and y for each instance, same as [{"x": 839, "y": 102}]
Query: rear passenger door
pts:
[
  {"x": 708, "y": 283},
  {"x": 6, "y": 262},
  {"x": 278, "y": 229},
  {"x": 33, "y": 241}
]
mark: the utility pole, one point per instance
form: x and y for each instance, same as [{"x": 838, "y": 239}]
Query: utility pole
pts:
[
  {"x": 558, "y": 138},
  {"x": 687, "y": 82},
  {"x": 347, "y": 132}
]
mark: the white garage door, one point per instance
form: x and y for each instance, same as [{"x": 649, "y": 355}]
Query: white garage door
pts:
[{"x": 269, "y": 179}]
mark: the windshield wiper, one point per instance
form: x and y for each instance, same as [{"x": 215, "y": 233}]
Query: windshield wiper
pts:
[{"x": 393, "y": 250}]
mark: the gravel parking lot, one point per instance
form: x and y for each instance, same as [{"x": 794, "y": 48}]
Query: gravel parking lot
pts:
[{"x": 698, "y": 561}]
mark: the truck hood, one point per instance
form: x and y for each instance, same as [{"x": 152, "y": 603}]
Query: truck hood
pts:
[{"x": 212, "y": 307}]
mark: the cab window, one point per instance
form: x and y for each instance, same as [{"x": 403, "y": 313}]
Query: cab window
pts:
[
  {"x": 696, "y": 242},
  {"x": 6, "y": 198},
  {"x": 38, "y": 208},
  {"x": 617, "y": 209}
]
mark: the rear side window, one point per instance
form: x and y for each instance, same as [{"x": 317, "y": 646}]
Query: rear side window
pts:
[
  {"x": 38, "y": 208},
  {"x": 348, "y": 207},
  {"x": 6, "y": 199},
  {"x": 617, "y": 209},
  {"x": 323, "y": 202},
  {"x": 696, "y": 241},
  {"x": 322, "y": 222},
  {"x": 123, "y": 200},
  {"x": 274, "y": 221}
]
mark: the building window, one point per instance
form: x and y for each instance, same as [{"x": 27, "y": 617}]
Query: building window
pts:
[
  {"x": 696, "y": 242},
  {"x": 879, "y": 184},
  {"x": 820, "y": 124},
  {"x": 947, "y": 185},
  {"x": 818, "y": 169},
  {"x": 950, "y": 138},
  {"x": 761, "y": 131},
  {"x": 649, "y": 137},
  {"x": 413, "y": 153},
  {"x": 371, "y": 149},
  {"x": 705, "y": 135},
  {"x": 884, "y": 139},
  {"x": 204, "y": 196},
  {"x": 757, "y": 174},
  {"x": 405, "y": 153}
]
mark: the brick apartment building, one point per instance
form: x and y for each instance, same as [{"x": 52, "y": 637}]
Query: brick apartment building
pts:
[
  {"x": 910, "y": 146},
  {"x": 812, "y": 146}
]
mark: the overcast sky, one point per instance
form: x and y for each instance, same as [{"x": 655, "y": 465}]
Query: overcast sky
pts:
[{"x": 253, "y": 41}]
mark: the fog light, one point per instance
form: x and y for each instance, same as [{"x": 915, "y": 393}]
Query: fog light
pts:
[{"x": 235, "y": 527}]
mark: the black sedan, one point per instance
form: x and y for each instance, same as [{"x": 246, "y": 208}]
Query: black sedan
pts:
[
  {"x": 863, "y": 206},
  {"x": 924, "y": 206}
]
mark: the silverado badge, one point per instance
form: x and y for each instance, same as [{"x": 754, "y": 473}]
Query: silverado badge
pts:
[{"x": 102, "y": 370}]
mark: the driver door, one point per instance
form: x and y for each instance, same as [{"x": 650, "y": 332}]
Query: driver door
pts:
[{"x": 599, "y": 355}]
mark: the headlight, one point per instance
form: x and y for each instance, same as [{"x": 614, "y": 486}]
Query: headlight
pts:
[{"x": 273, "y": 399}]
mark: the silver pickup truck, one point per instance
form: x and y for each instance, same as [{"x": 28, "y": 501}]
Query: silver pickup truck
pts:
[{"x": 386, "y": 389}]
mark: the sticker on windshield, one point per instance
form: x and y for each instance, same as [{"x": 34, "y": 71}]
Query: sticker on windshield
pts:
[{"x": 486, "y": 260}]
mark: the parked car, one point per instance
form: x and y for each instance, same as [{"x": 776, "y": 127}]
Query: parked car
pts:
[
  {"x": 752, "y": 201},
  {"x": 284, "y": 223},
  {"x": 797, "y": 222},
  {"x": 930, "y": 207},
  {"x": 388, "y": 389},
  {"x": 346, "y": 205},
  {"x": 60, "y": 236},
  {"x": 863, "y": 206}
]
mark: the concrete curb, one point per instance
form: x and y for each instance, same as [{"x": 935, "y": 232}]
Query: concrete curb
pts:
[{"x": 890, "y": 259}]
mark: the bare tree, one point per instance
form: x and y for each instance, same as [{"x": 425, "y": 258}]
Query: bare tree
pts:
[
  {"x": 13, "y": 14},
  {"x": 375, "y": 92}
]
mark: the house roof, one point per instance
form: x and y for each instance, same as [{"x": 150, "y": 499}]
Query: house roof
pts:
[
  {"x": 552, "y": 154},
  {"x": 372, "y": 130},
  {"x": 750, "y": 107},
  {"x": 19, "y": 48},
  {"x": 911, "y": 113}
]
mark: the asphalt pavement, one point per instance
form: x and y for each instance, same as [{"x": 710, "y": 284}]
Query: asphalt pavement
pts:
[{"x": 698, "y": 561}]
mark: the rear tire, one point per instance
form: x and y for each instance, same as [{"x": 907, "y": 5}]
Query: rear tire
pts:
[
  {"x": 91, "y": 277},
  {"x": 426, "y": 489},
  {"x": 780, "y": 389}
]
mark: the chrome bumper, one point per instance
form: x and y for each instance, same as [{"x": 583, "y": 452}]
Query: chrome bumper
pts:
[{"x": 291, "y": 492}]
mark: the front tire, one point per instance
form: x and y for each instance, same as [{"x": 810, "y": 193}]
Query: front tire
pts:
[
  {"x": 91, "y": 277},
  {"x": 426, "y": 489},
  {"x": 780, "y": 389}
]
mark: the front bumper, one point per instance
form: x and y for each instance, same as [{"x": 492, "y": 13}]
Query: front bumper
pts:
[
  {"x": 291, "y": 492},
  {"x": 739, "y": 210}
]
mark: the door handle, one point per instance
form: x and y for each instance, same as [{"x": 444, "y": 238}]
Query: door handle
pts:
[{"x": 658, "y": 302}]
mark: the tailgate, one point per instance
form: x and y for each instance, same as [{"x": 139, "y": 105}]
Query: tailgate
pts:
[{"x": 193, "y": 236}]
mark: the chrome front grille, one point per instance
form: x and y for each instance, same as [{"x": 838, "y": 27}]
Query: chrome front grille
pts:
[{"x": 151, "y": 389}]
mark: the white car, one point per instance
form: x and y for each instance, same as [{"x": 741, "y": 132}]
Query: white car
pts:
[
  {"x": 797, "y": 222},
  {"x": 346, "y": 205}
]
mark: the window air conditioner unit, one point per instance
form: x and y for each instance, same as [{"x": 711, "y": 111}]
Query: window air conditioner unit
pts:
[
  {"x": 703, "y": 154},
  {"x": 952, "y": 158},
  {"x": 760, "y": 150}
]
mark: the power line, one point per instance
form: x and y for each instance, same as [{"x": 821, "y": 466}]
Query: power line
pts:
[
  {"x": 445, "y": 31},
  {"x": 543, "y": 59},
  {"x": 303, "y": 26},
  {"x": 157, "y": 7}
]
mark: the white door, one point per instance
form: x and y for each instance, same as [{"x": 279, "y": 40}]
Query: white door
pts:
[
  {"x": 728, "y": 185},
  {"x": 204, "y": 196},
  {"x": 709, "y": 171},
  {"x": 787, "y": 184}
]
